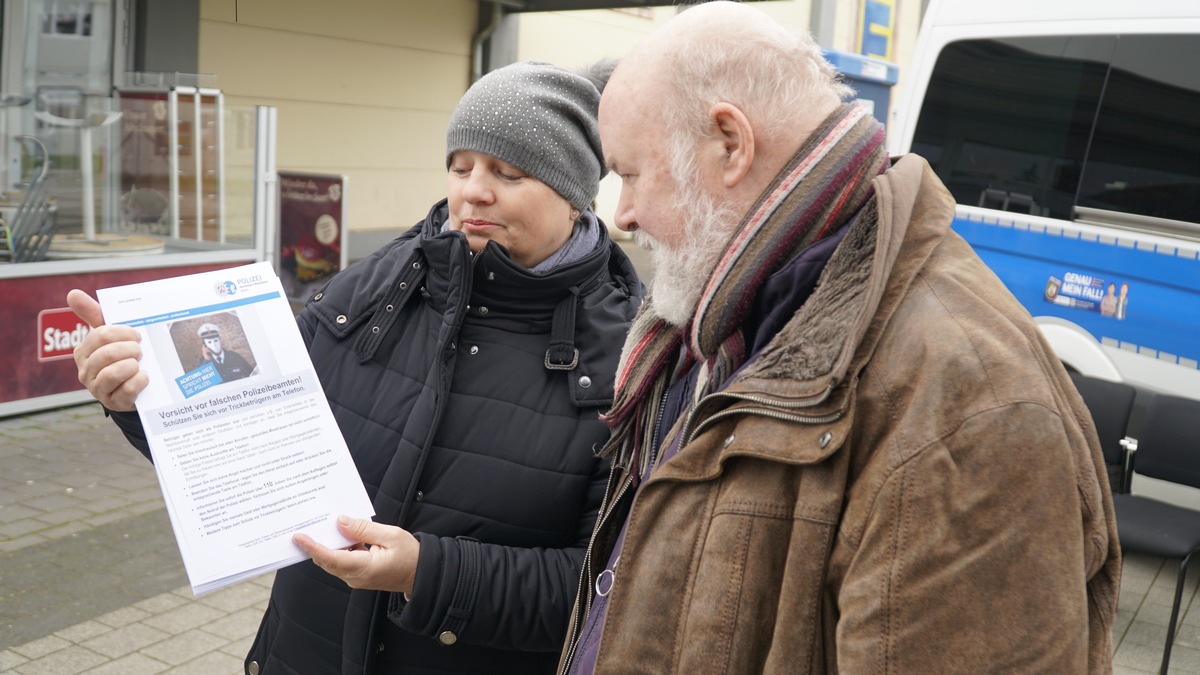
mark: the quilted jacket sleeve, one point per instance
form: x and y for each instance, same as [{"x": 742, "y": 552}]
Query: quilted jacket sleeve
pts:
[
  {"x": 131, "y": 425},
  {"x": 498, "y": 596}
]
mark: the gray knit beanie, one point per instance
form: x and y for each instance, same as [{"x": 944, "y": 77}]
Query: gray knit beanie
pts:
[{"x": 539, "y": 118}]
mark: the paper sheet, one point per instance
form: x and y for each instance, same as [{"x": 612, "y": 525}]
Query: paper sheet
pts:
[{"x": 246, "y": 448}]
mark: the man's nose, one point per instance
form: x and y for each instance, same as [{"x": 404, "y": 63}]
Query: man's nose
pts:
[{"x": 625, "y": 217}]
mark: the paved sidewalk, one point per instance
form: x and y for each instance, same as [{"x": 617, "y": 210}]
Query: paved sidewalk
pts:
[
  {"x": 90, "y": 576},
  {"x": 91, "y": 580},
  {"x": 167, "y": 633}
]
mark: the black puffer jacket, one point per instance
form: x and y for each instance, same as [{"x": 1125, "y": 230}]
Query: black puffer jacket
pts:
[{"x": 472, "y": 418}]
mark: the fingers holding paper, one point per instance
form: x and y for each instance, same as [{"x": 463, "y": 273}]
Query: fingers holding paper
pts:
[
  {"x": 388, "y": 563},
  {"x": 107, "y": 358}
]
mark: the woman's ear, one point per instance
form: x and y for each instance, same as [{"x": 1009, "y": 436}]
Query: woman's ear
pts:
[{"x": 737, "y": 140}]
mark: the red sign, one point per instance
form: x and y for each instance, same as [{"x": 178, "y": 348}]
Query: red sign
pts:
[
  {"x": 59, "y": 332},
  {"x": 41, "y": 332}
]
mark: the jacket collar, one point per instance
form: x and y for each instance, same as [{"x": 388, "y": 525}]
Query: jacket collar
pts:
[
  {"x": 497, "y": 281},
  {"x": 353, "y": 294},
  {"x": 833, "y": 334}
]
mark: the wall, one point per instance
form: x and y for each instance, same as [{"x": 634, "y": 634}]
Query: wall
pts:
[
  {"x": 366, "y": 87},
  {"x": 363, "y": 87},
  {"x": 573, "y": 39}
]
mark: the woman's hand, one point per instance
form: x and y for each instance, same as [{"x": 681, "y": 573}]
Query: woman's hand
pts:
[
  {"x": 107, "y": 358},
  {"x": 384, "y": 560}
]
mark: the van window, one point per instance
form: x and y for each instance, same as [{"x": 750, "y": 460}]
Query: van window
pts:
[
  {"x": 1145, "y": 152},
  {"x": 1039, "y": 125}
]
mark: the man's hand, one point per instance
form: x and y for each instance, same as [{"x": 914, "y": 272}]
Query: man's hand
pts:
[
  {"x": 107, "y": 358},
  {"x": 387, "y": 563}
]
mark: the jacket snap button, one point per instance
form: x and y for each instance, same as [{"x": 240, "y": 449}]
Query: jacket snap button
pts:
[
  {"x": 483, "y": 310},
  {"x": 341, "y": 318},
  {"x": 374, "y": 329},
  {"x": 416, "y": 266},
  {"x": 253, "y": 669},
  {"x": 453, "y": 346},
  {"x": 403, "y": 285},
  {"x": 474, "y": 349},
  {"x": 380, "y": 648},
  {"x": 825, "y": 438},
  {"x": 420, "y": 495},
  {"x": 447, "y": 638},
  {"x": 491, "y": 276},
  {"x": 585, "y": 381},
  {"x": 318, "y": 296},
  {"x": 390, "y": 308},
  {"x": 729, "y": 441}
]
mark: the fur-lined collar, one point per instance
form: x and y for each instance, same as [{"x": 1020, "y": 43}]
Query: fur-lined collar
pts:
[{"x": 814, "y": 352}]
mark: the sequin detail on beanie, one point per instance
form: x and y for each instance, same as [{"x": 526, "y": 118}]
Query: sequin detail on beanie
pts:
[{"x": 539, "y": 118}]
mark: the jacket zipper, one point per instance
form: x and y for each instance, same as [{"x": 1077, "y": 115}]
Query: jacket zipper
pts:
[
  {"x": 586, "y": 573},
  {"x": 662, "y": 404},
  {"x": 605, "y": 512},
  {"x": 771, "y": 411}
]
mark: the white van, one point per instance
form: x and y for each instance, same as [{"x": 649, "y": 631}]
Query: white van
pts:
[{"x": 1069, "y": 133}]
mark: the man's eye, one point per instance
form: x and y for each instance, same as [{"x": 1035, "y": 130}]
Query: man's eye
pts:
[
  {"x": 509, "y": 176},
  {"x": 459, "y": 171}
]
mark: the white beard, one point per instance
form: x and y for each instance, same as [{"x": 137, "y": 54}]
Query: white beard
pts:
[{"x": 681, "y": 273}]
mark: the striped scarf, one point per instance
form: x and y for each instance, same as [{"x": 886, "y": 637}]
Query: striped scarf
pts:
[{"x": 824, "y": 184}]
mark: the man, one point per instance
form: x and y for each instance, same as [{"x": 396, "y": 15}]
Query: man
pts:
[
  {"x": 229, "y": 364},
  {"x": 839, "y": 444},
  {"x": 1108, "y": 305}
]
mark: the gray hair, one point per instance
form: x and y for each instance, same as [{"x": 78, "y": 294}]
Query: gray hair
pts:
[
  {"x": 767, "y": 71},
  {"x": 598, "y": 72}
]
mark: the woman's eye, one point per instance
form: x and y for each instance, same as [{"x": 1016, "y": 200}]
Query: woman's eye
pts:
[
  {"x": 459, "y": 171},
  {"x": 509, "y": 176}
]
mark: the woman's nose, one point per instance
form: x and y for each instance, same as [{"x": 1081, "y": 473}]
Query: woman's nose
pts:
[{"x": 477, "y": 188}]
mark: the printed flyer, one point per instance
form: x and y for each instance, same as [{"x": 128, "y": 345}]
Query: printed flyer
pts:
[{"x": 245, "y": 446}]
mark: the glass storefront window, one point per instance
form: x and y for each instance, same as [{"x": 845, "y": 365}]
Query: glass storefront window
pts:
[
  {"x": 95, "y": 165},
  {"x": 122, "y": 166}
]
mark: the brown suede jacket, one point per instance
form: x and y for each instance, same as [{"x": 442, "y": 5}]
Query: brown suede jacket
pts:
[{"x": 904, "y": 481}]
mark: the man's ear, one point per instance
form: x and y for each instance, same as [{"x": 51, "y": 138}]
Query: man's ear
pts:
[{"x": 737, "y": 138}]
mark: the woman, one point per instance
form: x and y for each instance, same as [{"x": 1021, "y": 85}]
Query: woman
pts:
[{"x": 465, "y": 362}]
